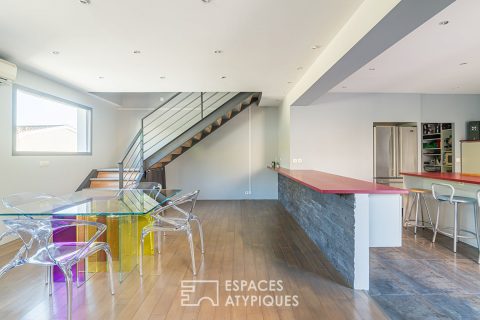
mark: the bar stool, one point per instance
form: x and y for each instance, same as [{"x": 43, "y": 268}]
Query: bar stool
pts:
[
  {"x": 451, "y": 198},
  {"x": 477, "y": 227},
  {"x": 418, "y": 198}
]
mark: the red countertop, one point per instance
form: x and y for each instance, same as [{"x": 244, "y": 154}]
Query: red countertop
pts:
[
  {"x": 329, "y": 183},
  {"x": 457, "y": 177}
]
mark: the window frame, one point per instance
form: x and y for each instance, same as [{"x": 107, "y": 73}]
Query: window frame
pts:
[{"x": 15, "y": 88}]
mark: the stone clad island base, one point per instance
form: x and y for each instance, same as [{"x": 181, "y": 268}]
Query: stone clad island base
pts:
[{"x": 344, "y": 225}]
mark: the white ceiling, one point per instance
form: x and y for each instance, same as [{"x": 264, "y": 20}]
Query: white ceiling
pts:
[
  {"x": 263, "y": 42},
  {"x": 428, "y": 59},
  {"x": 136, "y": 100}
]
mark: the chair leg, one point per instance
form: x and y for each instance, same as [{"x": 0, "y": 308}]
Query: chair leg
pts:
[
  {"x": 69, "y": 283},
  {"x": 436, "y": 223},
  {"x": 406, "y": 211},
  {"x": 46, "y": 275},
  {"x": 455, "y": 227},
  {"x": 200, "y": 231},
  {"x": 50, "y": 279},
  {"x": 110, "y": 268},
  {"x": 477, "y": 228},
  {"x": 9, "y": 266},
  {"x": 428, "y": 212},
  {"x": 192, "y": 251},
  {"x": 417, "y": 200},
  {"x": 142, "y": 244},
  {"x": 410, "y": 210}
]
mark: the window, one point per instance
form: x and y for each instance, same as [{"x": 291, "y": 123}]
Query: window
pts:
[{"x": 44, "y": 124}]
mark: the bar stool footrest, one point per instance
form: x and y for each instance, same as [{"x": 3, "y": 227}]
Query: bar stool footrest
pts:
[{"x": 442, "y": 231}]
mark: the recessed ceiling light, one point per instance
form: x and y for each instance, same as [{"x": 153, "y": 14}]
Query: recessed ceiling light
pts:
[
  {"x": 163, "y": 77},
  {"x": 206, "y": 1},
  {"x": 289, "y": 82},
  {"x": 223, "y": 77},
  {"x": 444, "y": 22},
  {"x": 299, "y": 68},
  {"x": 316, "y": 46},
  {"x": 85, "y": 1},
  {"x": 371, "y": 69},
  {"x": 137, "y": 51},
  {"x": 344, "y": 87},
  {"x": 56, "y": 52},
  {"x": 101, "y": 77},
  {"x": 218, "y": 51},
  {"x": 463, "y": 63}
]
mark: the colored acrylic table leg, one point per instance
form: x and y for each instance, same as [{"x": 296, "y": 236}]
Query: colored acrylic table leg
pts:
[
  {"x": 69, "y": 235},
  {"x": 123, "y": 236}
]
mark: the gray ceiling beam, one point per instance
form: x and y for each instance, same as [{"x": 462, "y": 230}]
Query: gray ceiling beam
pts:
[{"x": 405, "y": 17}]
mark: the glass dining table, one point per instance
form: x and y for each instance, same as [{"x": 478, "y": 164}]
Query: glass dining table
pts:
[{"x": 125, "y": 212}]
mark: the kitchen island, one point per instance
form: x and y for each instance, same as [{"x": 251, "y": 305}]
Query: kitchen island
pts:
[
  {"x": 344, "y": 217},
  {"x": 465, "y": 185}
]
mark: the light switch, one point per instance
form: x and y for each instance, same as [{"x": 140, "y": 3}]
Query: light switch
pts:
[{"x": 44, "y": 163}]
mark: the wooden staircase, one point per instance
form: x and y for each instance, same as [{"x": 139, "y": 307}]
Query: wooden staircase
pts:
[
  {"x": 108, "y": 178},
  {"x": 185, "y": 146},
  {"x": 151, "y": 166}
]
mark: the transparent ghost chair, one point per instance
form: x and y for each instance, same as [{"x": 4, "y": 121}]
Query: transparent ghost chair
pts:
[
  {"x": 37, "y": 248},
  {"x": 149, "y": 186},
  {"x": 24, "y": 202},
  {"x": 173, "y": 223}
]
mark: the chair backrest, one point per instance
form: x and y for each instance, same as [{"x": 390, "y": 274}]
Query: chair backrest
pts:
[
  {"x": 190, "y": 198},
  {"x": 148, "y": 185},
  {"x": 187, "y": 198},
  {"x": 443, "y": 189},
  {"x": 36, "y": 233},
  {"x": 22, "y": 202}
]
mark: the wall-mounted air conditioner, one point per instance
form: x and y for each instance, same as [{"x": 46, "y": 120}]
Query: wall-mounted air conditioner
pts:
[{"x": 8, "y": 72}]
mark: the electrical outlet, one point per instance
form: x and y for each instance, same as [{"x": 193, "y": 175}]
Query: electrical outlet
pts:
[
  {"x": 299, "y": 160},
  {"x": 294, "y": 160},
  {"x": 44, "y": 163},
  {"x": 248, "y": 192}
]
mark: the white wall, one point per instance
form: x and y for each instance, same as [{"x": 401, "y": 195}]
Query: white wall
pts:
[
  {"x": 129, "y": 122},
  {"x": 335, "y": 135},
  {"x": 65, "y": 173},
  {"x": 219, "y": 164},
  {"x": 368, "y": 14}
]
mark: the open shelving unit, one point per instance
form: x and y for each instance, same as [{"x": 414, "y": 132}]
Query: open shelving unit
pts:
[{"x": 437, "y": 147}]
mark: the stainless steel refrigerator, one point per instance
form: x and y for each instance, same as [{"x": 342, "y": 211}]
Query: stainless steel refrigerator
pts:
[{"x": 395, "y": 150}]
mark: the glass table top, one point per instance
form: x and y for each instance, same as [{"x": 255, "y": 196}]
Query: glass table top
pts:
[{"x": 93, "y": 202}]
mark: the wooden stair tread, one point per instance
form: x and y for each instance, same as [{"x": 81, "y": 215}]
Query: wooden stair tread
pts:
[
  {"x": 111, "y": 179},
  {"x": 210, "y": 128},
  {"x": 116, "y": 170},
  {"x": 103, "y": 184}
]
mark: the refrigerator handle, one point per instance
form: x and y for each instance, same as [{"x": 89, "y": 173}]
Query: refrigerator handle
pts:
[
  {"x": 374, "y": 151},
  {"x": 400, "y": 155},
  {"x": 393, "y": 152}
]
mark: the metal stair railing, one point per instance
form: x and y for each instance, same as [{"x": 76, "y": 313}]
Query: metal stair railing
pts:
[
  {"x": 164, "y": 124},
  {"x": 130, "y": 169},
  {"x": 178, "y": 115}
]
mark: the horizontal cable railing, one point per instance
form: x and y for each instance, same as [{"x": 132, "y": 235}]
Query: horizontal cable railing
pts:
[
  {"x": 178, "y": 115},
  {"x": 130, "y": 168},
  {"x": 164, "y": 124}
]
